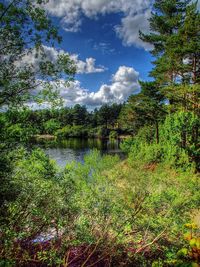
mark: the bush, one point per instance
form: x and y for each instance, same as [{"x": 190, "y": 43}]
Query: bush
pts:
[
  {"x": 177, "y": 146},
  {"x": 42, "y": 202},
  {"x": 102, "y": 132},
  {"x": 51, "y": 126},
  {"x": 18, "y": 133},
  {"x": 145, "y": 135},
  {"x": 72, "y": 131},
  {"x": 113, "y": 135},
  {"x": 179, "y": 134},
  {"x": 101, "y": 209}
]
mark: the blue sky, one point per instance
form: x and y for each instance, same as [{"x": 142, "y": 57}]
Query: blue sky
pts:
[
  {"x": 97, "y": 38},
  {"x": 102, "y": 37}
]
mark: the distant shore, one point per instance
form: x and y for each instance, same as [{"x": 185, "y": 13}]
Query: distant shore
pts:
[{"x": 49, "y": 137}]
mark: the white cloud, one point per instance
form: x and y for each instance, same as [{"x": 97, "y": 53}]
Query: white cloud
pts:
[
  {"x": 51, "y": 54},
  {"x": 129, "y": 29},
  {"x": 87, "y": 66},
  {"x": 135, "y": 12},
  {"x": 124, "y": 83}
]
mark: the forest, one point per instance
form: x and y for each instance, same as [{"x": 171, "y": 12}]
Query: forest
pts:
[
  {"x": 65, "y": 122},
  {"x": 105, "y": 212}
]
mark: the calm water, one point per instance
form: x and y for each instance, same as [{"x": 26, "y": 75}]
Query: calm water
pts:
[{"x": 75, "y": 149}]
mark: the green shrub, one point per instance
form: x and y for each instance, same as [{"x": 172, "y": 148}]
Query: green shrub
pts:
[
  {"x": 179, "y": 134},
  {"x": 18, "y": 133},
  {"x": 51, "y": 126},
  {"x": 72, "y": 131},
  {"x": 102, "y": 132},
  {"x": 113, "y": 135},
  {"x": 144, "y": 135},
  {"x": 43, "y": 201},
  {"x": 177, "y": 146},
  {"x": 102, "y": 206}
]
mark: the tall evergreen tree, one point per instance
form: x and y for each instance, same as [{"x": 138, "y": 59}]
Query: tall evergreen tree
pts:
[
  {"x": 175, "y": 36},
  {"x": 166, "y": 19}
]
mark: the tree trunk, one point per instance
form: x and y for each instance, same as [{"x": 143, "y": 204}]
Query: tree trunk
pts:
[{"x": 157, "y": 133}]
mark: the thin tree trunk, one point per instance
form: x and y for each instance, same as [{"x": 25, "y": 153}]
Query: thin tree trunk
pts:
[
  {"x": 194, "y": 69},
  {"x": 157, "y": 132}
]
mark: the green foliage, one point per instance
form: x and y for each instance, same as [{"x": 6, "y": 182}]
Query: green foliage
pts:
[
  {"x": 41, "y": 202},
  {"x": 114, "y": 207},
  {"x": 48, "y": 201},
  {"x": 178, "y": 144},
  {"x": 180, "y": 134},
  {"x": 51, "y": 126},
  {"x": 113, "y": 135},
  {"x": 189, "y": 253},
  {"x": 79, "y": 115},
  {"x": 17, "y": 133},
  {"x": 72, "y": 131},
  {"x": 102, "y": 132},
  {"x": 145, "y": 108},
  {"x": 146, "y": 134},
  {"x": 65, "y": 122},
  {"x": 24, "y": 29},
  {"x": 172, "y": 24}
]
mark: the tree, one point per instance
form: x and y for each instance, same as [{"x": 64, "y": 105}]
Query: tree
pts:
[
  {"x": 115, "y": 110},
  {"x": 166, "y": 19},
  {"x": 184, "y": 47},
  {"x": 24, "y": 28},
  {"x": 79, "y": 115},
  {"x": 104, "y": 115},
  {"x": 175, "y": 36},
  {"x": 145, "y": 108}
]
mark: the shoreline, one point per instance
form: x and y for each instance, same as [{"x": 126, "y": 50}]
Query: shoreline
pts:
[{"x": 49, "y": 137}]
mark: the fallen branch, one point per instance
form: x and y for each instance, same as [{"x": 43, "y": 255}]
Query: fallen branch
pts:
[{"x": 151, "y": 243}]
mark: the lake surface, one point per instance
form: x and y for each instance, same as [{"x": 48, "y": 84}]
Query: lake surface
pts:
[{"x": 74, "y": 149}]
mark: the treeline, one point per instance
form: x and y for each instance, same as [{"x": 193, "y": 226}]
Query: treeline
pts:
[{"x": 65, "y": 122}]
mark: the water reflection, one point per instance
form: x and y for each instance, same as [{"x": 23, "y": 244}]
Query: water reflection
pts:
[{"x": 74, "y": 149}]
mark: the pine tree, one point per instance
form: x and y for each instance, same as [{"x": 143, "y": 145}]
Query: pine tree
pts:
[
  {"x": 166, "y": 19},
  {"x": 175, "y": 35},
  {"x": 183, "y": 48}
]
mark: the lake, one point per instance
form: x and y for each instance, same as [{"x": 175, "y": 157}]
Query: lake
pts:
[{"x": 74, "y": 149}]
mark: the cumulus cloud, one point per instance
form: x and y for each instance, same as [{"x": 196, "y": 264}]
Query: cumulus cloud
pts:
[
  {"x": 51, "y": 54},
  {"x": 130, "y": 27},
  {"x": 124, "y": 83},
  {"x": 87, "y": 66},
  {"x": 135, "y": 15}
]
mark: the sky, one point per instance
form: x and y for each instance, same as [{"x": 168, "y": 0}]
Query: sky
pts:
[{"x": 102, "y": 37}]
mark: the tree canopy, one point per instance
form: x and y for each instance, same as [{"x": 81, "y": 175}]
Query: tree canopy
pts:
[{"x": 25, "y": 27}]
